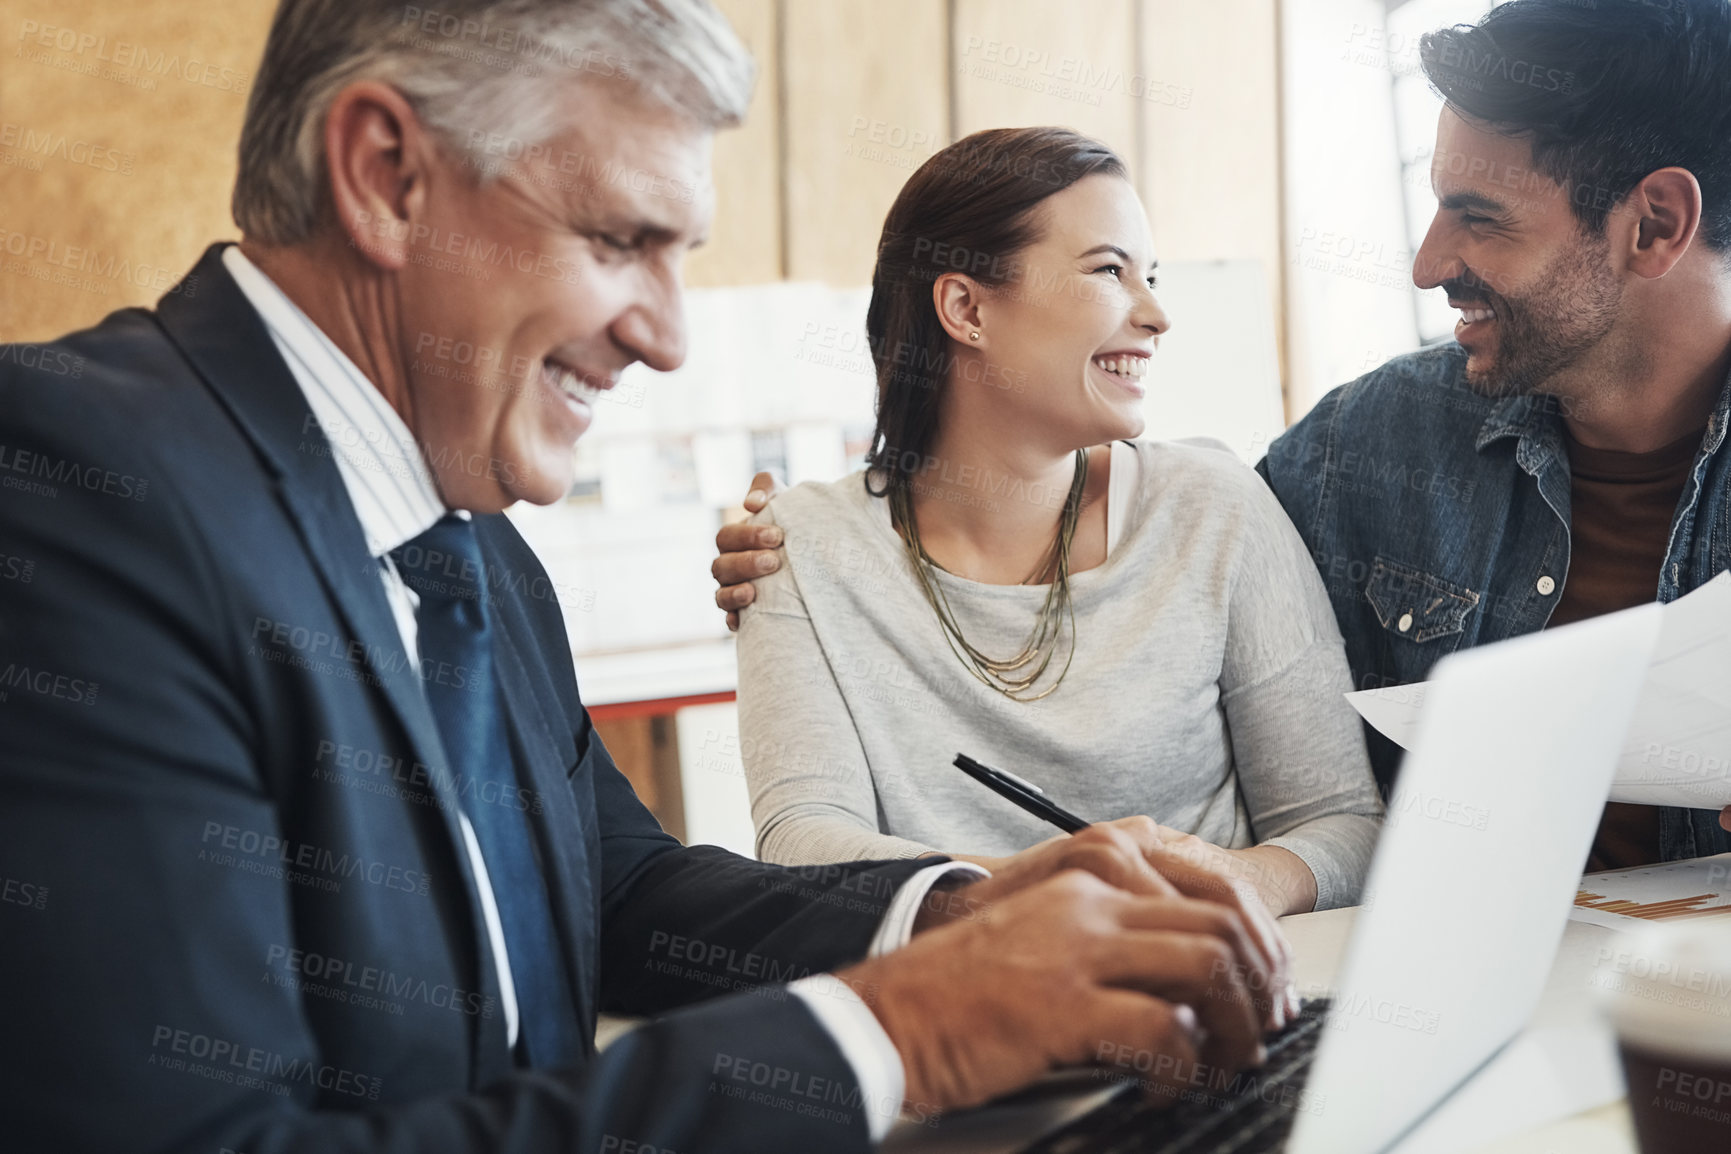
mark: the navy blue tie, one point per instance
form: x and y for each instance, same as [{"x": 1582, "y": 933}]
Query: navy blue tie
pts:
[{"x": 445, "y": 569}]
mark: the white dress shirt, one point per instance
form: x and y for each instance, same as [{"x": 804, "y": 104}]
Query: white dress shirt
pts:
[{"x": 396, "y": 501}]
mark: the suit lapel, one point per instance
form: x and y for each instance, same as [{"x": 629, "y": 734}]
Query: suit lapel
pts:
[
  {"x": 224, "y": 338},
  {"x": 220, "y": 333}
]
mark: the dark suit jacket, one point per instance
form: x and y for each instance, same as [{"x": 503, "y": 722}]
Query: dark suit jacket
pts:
[{"x": 237, "y": 913}]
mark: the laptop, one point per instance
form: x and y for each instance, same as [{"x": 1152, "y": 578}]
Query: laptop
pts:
[{"x": 1487, "y": 832}]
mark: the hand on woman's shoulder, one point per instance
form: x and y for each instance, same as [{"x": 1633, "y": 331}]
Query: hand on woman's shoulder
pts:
[{"x": 813, "y": 502}]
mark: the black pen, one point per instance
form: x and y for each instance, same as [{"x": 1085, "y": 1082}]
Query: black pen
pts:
[{"x": 1024, "y": 793}]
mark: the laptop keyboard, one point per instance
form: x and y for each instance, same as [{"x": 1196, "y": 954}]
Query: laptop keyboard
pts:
[{"x": 1251, "y": 1113}]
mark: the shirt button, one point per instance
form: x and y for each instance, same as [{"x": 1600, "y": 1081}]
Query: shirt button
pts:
[
  {"x": 1405, "y": 622},
  {"x": 1546, "y": 586}
]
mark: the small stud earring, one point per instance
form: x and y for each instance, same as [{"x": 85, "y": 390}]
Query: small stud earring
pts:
[{"x": 974, "y": 336}]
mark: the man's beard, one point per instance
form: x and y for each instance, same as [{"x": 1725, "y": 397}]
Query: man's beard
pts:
[{"x": 1543, "y": 332}]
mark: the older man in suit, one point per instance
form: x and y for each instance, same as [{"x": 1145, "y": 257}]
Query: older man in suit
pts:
[{"x": 319, "y": 847}]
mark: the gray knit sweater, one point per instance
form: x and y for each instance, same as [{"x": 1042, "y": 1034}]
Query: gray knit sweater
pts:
[{"x": 1206, "y": 689}]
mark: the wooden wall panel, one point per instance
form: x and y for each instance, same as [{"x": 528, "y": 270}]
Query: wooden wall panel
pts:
[
  {"x": 1211, "y": 134},
  {"x": 117, "y": 149},
  {"x": 745, "y": 244},
  {"x": 867, "y": 85},
  {"x": 870, "y": 89},
  {"x": 1027, "y": 62}
]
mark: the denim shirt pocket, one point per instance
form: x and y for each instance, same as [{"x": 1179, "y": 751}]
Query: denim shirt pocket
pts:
[{"x": 1417, "y": 606}]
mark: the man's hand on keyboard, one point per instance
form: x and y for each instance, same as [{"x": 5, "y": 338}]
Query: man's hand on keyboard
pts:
[{"x": 1069, "y": 971}]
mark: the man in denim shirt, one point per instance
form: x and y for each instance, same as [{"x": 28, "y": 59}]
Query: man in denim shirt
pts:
[{"x": 1564, "y": 455}]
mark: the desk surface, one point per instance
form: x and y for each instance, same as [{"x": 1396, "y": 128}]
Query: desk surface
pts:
[{"x": 1503, "y": 1115}]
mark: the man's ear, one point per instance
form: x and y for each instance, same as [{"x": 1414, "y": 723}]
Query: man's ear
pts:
[
  {"x": 1666, "y": 207},
  {"x": 958, "y": 299},
  {"x": 376, "y": 151}
]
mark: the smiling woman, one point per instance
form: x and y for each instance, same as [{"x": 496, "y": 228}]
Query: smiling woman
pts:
[{"x": 1134, "y": 624}]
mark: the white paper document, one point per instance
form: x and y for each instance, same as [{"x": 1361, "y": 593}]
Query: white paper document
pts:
[{"x": 1678, "y": 751}]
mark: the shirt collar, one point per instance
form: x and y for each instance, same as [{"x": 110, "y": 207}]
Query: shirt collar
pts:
[
  {"x": 381, "y": 465},
  {"x": 1509, "y": 417},
  {"x": 1518, "y": 416},
  {"x": 1720, "y": 418}
]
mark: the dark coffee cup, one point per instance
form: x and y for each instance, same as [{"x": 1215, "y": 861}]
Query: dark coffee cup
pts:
[{"x": 1668, "y": 994}]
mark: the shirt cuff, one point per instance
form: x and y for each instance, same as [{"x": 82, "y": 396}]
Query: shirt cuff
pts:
[
  {"x": 898, "y": 924},
  {"x": 861, "y": 1039},
  {"x": 857, "y": 1032}
]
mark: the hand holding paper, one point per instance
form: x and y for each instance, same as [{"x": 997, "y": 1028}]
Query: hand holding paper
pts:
[{"x": 1678, "y": 751}]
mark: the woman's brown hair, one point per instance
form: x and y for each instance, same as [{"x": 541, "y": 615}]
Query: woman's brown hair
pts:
[{"x": 968, "y": 209}]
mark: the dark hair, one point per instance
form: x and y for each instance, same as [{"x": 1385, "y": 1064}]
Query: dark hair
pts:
[
  {"x": 1607, "y": 91},
  {"x": 969, "y": 208}
]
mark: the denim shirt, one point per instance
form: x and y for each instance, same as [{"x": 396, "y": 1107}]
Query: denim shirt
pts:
[{"x": 1439, "y": 520}]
